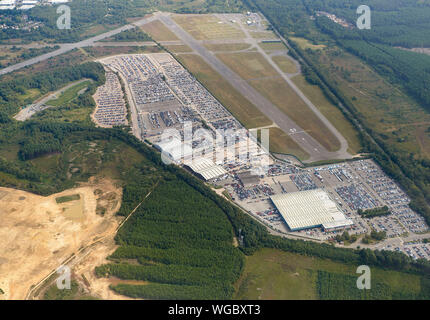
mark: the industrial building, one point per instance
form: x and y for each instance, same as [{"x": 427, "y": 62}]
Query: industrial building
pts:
[
  {"x": 175, "y": 149},
  {"x": 206, "y": 168},
  {"x": 248, "y": 179},
  {"x": 310, "y": 209}
]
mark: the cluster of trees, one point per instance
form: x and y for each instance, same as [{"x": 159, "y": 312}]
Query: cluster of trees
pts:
[
  {"x": 397, "y": 23},
  {"x": 179, "y": 237},
  {"x": 374, "y": 236},
  {"x": 196, "y": 257},
  {"x": 132, "y": 35},
  {"x": 84, "y": 14},
  {"x": 346, "y": 237},
  {"x": 174, "y": 292},
  {"x": 375, "y": 212}
]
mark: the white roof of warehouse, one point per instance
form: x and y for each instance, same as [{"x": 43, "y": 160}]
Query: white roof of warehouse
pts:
[
  {"x": 175, "y": 149},
  {"x": 311, "y": 208},
  {"x": 206, "y": 168}
]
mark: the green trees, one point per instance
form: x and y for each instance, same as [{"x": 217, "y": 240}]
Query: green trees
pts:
[
  {"x": 179, "y": 237},
  {"x": 375, "y": 212}
]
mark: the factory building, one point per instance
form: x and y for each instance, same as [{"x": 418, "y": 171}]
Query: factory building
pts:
[
  {"x": 205, "y": 168},
  {"x": 175, "y": 149},
  {"x": 310, "y": 209}
]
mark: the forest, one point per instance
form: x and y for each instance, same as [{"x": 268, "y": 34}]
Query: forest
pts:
[{"x": 403, "y": 23}]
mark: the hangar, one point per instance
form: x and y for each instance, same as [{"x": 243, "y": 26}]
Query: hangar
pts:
[{"x": 310, "y": 209}]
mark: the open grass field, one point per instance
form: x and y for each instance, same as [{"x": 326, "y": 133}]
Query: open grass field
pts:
[
  {"x": 330, "y": 111},
  {"x": 214, "y": 47},
  {"x": 248, "y": 65},
  {"x": 263, "y": 35},
  {"x": 274, "y": 274},
  {"x": 386, "y": 109},
  {"x": 280, "y": 142},
  {"x": 159, "y": 32},
  {"x": 272, "y": 46},
  {"x": 285, "y": 64},
  {"x": 69, "y": 94},
  {"x": 281, "y": 95},
  {"x": 208, "y": 27},
  {"x": 236, "y": 103},
  {"x": 306, "y": 44},
  {"x": 178, "y": 48}
]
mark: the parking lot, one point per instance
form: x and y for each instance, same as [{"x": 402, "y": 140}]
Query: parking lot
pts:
[{"x": 352, "y": 185}]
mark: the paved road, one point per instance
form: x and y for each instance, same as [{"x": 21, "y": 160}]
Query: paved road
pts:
[
  {"x": 308, "y": 143},
  {"x": 70, "y": 46}
]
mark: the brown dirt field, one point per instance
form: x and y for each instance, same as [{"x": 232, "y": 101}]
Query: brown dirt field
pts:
[{"x": 36, "y": 228}]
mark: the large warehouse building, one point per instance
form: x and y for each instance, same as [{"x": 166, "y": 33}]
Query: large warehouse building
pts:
[
  {"x": 205, "y": 168},
  {"x": 175, "y": 149},
  {"x": 310, "y": 209}
]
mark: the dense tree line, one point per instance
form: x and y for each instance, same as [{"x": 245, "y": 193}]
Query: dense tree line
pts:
[
  {"x": 403, "y": 23},
  {"x": 375, "y": 212},
  {"x": 179, "y": 237},
  {"x": 132, "y": 35},
  {"x": 174, "y": 292}
]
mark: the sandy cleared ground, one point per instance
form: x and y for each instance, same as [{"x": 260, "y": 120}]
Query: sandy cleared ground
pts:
[{"x": 39, "y": 235}]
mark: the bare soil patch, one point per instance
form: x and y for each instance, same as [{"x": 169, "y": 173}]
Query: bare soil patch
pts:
[{"x": 39, "y": 234}]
